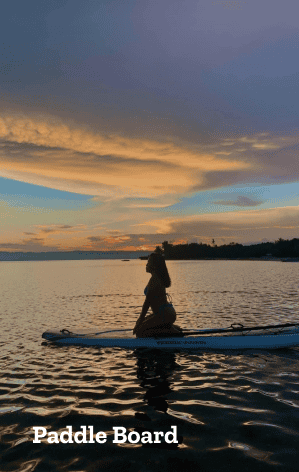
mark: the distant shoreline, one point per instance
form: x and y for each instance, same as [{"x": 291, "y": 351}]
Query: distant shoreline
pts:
[
  {"x": 118, "y": 255},
  {"x": 280, "y": 250},
  {"x": 278, "y": 259},
  {"x": 71, "y": 255}
]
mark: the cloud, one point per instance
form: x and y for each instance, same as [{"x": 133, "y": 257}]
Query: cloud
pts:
[
  {"x": 240, "y": 225},
  {"x": 274, "y": 160},
  {"x": 241, "y": 201},
  {"x": 29, "y": 245},
  {"x": 49, "y": 152},
  {"x": 230, "y": 4},
  {"x": 53, "y": 237},
  {"x": 58, "y": 155},
  {"x": 129, "y": 187},
  {"x": 125, "y": 242},
  {"x": 55, "y": 229}
]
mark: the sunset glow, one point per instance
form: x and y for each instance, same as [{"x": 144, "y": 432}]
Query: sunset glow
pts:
[{"x": 182, "y": 128}]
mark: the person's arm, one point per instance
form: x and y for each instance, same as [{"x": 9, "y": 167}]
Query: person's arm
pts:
[{"x": 145, "y": 307}]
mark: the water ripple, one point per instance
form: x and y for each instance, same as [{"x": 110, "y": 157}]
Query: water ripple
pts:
[{"x": 237, "y": 410}]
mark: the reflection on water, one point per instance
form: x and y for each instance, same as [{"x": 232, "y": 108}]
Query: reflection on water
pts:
[
  {"x": 155, "y": 370},
  {"x": 231, "y": 410}
]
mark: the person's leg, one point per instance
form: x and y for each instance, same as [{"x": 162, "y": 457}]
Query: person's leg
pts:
[
  {"x": 170, "y": 317},
  {"x": 159, "y": 331},
  {"x": 153, "y": 332},
  {"x": 161, "y": 324},
  {"x": 150, "y": 322},
  {"x": 177, "y": 327}
]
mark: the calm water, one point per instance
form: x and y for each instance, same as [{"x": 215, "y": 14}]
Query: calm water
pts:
[{"x": 232, "y": 411}]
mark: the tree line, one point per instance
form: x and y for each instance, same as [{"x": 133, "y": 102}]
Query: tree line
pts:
[{"x": 281, "y": 249}]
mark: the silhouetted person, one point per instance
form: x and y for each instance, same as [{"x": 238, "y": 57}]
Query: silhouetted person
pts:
[{"x": 164, "y": 315}]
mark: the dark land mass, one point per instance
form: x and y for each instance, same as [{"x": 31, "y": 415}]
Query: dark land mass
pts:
[
  {"x": 280, "y": 249},
  {"x": 69, "y": 255}
]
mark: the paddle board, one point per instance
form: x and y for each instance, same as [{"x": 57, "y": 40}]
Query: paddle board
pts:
[{"x": 269, "y": 340}]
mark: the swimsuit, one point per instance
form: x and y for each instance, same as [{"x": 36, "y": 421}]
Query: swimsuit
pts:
[{"x": 162, "y": 307}]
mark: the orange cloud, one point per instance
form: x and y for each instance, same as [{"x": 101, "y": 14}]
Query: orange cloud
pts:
[
  {"x": 238, "y": 226},
  {"x": 61, "y": 156},
  {"x": 241, "y": 226}
]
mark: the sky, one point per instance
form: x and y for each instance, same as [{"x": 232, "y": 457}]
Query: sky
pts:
[{"x": 125, "y": 124}]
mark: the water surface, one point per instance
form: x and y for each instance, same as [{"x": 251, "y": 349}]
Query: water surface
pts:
[{"x": 233, "y": 411}]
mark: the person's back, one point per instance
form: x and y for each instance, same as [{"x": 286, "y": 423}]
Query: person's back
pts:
[{"x": 157, "y": 293}]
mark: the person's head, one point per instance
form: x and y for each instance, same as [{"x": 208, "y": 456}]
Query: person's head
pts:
[{"x": 156, "y": 263}]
